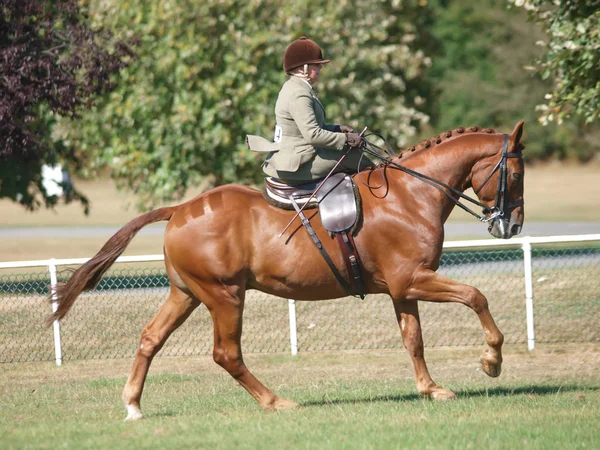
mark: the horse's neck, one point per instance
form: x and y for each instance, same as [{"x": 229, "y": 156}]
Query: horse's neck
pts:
[{"x": 449, "y": 164}]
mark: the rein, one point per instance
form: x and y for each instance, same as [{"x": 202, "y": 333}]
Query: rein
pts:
[{"x": 502, "y": 205}]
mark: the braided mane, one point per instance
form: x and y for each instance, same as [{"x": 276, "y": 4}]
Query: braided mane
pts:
[{"x": 443, "y": 137}]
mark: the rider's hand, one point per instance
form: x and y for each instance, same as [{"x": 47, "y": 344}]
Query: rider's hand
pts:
[
  {"x": 346, "y": 129},
  {"x": 353, "y": 140}
]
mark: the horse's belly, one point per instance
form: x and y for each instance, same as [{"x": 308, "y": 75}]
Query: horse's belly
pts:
[{"x": 300, "y": 291}]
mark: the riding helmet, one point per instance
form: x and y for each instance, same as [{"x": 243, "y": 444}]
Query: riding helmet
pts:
[{"x": 302, "y": 51}]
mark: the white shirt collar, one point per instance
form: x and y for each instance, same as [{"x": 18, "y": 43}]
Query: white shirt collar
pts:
[{"x": 300, "y": 78}]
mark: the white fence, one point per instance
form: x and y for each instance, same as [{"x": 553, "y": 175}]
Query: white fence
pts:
[{"x": 589, "y": 281}]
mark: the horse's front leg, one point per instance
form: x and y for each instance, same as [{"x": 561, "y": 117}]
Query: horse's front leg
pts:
[
  {"x": 430, "y": 286},
  {"x": 407, "y": 313}
]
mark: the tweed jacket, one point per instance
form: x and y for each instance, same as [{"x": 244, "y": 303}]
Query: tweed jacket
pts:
[{"x": 306, "y": 147}]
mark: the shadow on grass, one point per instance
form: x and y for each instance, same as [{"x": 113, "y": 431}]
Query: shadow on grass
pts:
[
  {"x": 529, "y": 389},
  {"x": 464, "y": 393},
  {"x": 373, "y": 399},
  {"x": 498, "y": 392}
]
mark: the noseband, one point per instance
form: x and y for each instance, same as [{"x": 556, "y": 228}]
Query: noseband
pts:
[{"x": 502, "y": 206}]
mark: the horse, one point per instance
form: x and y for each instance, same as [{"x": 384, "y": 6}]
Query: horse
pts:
[{"x": 225, "y": 241}]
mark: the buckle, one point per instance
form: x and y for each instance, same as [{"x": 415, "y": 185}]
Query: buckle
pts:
[{"x": 495, "y": 212}]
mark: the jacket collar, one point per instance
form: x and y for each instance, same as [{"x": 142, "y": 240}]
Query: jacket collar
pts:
[
  {"x": 299, "y": 81},
  {"x": 307, "y": 85}
]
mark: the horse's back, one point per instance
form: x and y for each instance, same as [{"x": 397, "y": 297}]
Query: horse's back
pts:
[
  {"x": 216, "y": 203},
  {"x": 213, "y": 230}
]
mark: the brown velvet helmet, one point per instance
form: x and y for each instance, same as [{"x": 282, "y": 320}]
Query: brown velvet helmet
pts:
[{"x": 302, "y": 51}]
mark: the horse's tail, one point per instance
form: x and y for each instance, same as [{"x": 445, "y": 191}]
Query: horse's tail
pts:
[{"x": 89, "y": 274}]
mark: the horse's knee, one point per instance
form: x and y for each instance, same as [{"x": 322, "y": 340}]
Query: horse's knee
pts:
[
  {"x": 475, "y": 300},
  {"x": 478, "y": 303},
  {"x": 150, "y": 344},
  {"x": 230, "y": 361}
]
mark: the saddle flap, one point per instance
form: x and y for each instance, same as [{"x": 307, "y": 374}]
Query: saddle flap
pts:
[{"x": 337, "y": 203}]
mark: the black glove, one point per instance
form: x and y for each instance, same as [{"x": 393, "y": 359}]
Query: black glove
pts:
[
  {"x": 346, "y": 129},
  {"x": 353, "y": 140}
]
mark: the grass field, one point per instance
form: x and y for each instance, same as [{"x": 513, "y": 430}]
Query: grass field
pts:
[
  {"x": 545, "y": 399},
  {"x": 557, "y": 192}
]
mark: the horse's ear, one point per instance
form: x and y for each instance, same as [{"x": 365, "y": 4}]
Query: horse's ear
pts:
[{"x": 517, "y": 133}]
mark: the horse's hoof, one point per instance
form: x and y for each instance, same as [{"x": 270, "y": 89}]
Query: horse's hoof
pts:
[
  {"x": 440, "y": 394},
  {"x": 490, "y": 365},
  {"x": 133, "y": 413},
  {"x": 281, "y": 404},
  {"x": 443, "y": 394}
]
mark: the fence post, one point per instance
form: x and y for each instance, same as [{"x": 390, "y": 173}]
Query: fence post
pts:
[
  {"x": 529, "y": 292},
  {"x": 293, "y": 328},
  {"x": 56, "y": 323}
]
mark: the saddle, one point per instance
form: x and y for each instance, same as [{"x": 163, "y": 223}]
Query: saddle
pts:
[{"x": 338, "y": 201}]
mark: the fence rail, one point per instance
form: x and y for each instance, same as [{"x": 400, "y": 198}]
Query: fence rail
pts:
[{"x": 561, "y": 273}]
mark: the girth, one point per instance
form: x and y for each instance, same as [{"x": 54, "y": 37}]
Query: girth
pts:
[{"x": 337, "y": 203}]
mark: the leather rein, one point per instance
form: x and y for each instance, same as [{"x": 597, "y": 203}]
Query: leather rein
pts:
[{"x": 502, "y": 206}]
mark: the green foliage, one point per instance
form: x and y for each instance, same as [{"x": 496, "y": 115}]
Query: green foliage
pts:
[
  {"x": 52, "y": 63},
  {"x": 208, "y": 73},
  {"x": 572, "y": 56},
  {"x": 482, "y": 78}
]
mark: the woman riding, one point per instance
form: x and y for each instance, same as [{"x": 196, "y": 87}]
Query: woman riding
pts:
[{"x": 306, "y": 148}]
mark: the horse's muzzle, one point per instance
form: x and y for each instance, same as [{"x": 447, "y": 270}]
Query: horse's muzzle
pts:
[{"x": 504, "y": 229}]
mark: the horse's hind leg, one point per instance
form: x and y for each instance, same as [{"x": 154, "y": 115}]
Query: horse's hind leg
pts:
[
  {"x": 170, "y": 316},
  {"x": 407, "y": 313},
  {"x": 430, "y": 286},
  {"x": 226, "y": 305}
]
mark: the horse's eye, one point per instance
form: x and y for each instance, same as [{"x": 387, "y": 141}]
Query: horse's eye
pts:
[{"x": 517, "y": 176}]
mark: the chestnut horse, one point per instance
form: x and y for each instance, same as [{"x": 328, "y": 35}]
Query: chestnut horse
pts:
[{"x": 225, "y": 241}]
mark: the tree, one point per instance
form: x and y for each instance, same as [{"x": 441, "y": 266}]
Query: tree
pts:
[
  {"x": 480, "y": 74},
  {"x": 207, "y": 73},
  {"x": 52, "y": 64},
  {"x": 572, "y": 56}
]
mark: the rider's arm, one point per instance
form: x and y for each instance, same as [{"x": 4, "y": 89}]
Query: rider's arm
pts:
[{"x": 303, "y": 114}]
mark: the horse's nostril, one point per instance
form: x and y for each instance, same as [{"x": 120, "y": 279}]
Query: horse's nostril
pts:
[{"x": 515, "y": 229}]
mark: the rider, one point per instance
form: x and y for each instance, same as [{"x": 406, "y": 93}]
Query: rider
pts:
[{"x": 306, "y": 148}]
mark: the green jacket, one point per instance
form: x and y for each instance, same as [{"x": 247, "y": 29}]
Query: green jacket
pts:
[{"x": 306, "y": 147}]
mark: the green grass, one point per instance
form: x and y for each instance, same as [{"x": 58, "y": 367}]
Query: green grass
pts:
[
  {"x": 363, "y": 400},
  {"x": 342, "y": 415}
]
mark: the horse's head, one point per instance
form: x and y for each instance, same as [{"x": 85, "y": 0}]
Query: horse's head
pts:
[{"x": 498, "y": 182}]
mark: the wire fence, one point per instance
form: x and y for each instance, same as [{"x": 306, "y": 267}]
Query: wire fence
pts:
[{"x": 562, "y": 277}]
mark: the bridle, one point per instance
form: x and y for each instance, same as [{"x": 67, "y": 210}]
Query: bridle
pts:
[{"x": 502, "y": 206}]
